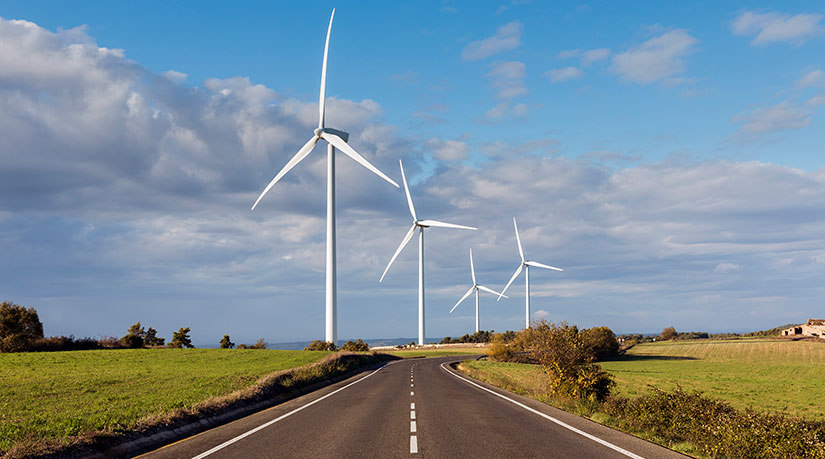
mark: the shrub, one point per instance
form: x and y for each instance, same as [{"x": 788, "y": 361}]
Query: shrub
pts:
[
  {"x": 64, "y": 343},
  {"x": 225, "y": 343},
  {"x": 716, "y": 428},
  {"x": 481, "y": 336},
  {"x": 355, "y": 346},
  {"x": 319, "y": 345},
  {"x": 260, "y": 344},
  {"x": 19, "y": 327},
  {"x": 669, "y": 333},
  {"x": 600, "y": 342},
  {"x": 180, "y": 338}
]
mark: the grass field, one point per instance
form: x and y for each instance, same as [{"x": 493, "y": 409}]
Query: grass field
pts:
[
  {"x": 763, "y": 374},
  {"x": 52, "y": 395}
]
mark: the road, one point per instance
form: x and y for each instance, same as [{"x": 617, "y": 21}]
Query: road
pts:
[{"x": 412, "y": 408}]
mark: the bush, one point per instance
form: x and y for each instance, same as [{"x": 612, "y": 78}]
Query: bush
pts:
[
  {"x": 355, "y": 346},
  {"x": 669, "y": 333},
  {"x": 481, "y": 336},
  {"x": 19, "y": 327},
  {"x": 225, "y": 343},
  {"x": 319, "y": 345},
  {"x": 260, "y": 344},
  {"x": 64, "y": 343},
  {"x": 716, "y": 428},
  {"x": 600, "y": 342},
  {"x": 180, "y": 338}
]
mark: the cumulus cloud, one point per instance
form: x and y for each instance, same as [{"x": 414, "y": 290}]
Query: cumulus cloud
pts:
[
  {"x": 776, "y": 27},
  {"x": 506, "y": 38},
  {"x": 656, "y": 59},
  {"x": 563, "y": 74},
  {"x": 448, "y": 150}
]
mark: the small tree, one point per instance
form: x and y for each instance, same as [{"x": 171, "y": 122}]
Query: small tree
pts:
[
  {"x": 260, "y": 344},
  {"x": 319, "y": 345},
  {"x": 151, "y": 338},
  {"x": 669, "y": 333},
  {"x": 225, "y": 343},
  {"x": 601, "y": 342},
  {"x": 19, "y": 327},
  {"x": 134, "y": 336},
  {"x": 180, "y": 338}
]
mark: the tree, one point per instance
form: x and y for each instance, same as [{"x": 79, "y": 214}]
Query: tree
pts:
[
  {"x": 260, "y": 344},
  {"x": 134, "y": 336},
  {"x": 19, "y": 327},
  {"x": 669, "y": 333},
  {"x": 225, "y": 343},
  {"x": 180, "y": 338},
  {"x": 151, "y": 338}
]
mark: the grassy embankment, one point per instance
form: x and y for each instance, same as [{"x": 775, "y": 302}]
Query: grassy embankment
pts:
[
  {"x": 51, "y": 399},
  {"x": 765, "y": 375}
]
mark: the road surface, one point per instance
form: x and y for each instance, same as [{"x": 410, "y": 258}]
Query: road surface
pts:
[{"x": 411, "y": 408}]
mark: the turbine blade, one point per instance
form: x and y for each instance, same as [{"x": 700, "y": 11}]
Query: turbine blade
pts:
[
  {"x": 489, "y": 290},
  {"x": 463, "y": 298},
  {"x": 515, "y": 274},
  {"x": 407, "y": 191},
  {"x": 397, "y": 251},
  {"x": 339, "y": 143},
  {"x": 472, "y": 268},
  {"x": 518, "y": 239},
  {"x": 541, "y": 265},
  {"x": 323, "y": 96},
  {"x": 445, "y": 225},
  {"x": 302, "y": 153}
]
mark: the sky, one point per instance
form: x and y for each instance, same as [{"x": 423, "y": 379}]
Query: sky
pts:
[{"x": 669, "y": 156}]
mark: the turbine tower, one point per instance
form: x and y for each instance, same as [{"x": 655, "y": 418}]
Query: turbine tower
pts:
[
  {"x": 335, "y": 139},
  {"x": 525, "y": 265},
  {"x": 476, "y": 287},
  {"x": 420, "y": 224}
]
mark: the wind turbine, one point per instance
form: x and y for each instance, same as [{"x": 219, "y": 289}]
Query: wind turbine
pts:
[
  {"x": 335, "y": 139},
  {"x": 420, "y": 224},
  {"x": 476, "y": 287},
  {"x": 525, "y": 265}
]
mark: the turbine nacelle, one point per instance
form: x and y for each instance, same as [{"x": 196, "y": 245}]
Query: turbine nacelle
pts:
[{"x": 343, "y": 135}]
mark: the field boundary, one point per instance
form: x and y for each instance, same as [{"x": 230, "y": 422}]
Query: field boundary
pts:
[{"x": 155, "y": 431}]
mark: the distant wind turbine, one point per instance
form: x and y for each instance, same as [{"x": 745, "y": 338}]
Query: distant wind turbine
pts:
[
  {"x": 420, "y": 224},
  {"x": 476, "y": 287},
  {"x": 335, "y": 139},
  {"x": 525, "y": 265}
]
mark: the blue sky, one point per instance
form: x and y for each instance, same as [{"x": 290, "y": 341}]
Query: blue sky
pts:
[{"x": 669, "y": 156}]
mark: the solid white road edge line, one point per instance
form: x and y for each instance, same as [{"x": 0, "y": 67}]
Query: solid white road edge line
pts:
[
  {"x": 267, "y": 424},
  {"x": 548, "y": 417}
]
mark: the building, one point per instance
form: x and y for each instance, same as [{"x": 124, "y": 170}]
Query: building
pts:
[{"x": 814, "y": 327}]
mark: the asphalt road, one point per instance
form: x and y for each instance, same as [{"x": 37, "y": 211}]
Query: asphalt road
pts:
[{"x": 412, "y": 408}]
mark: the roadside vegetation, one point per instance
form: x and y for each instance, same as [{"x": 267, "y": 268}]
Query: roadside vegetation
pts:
[
  {"x": 54, "y": 400},
  {"x": 706, "y": 398}
]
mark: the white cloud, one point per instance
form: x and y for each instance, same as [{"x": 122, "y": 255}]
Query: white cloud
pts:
[
  {"x": 448, "y": 150},
  {"x": 775, "y": 27},
  {"x": 175, "y": 76},
  {"x": 594, "y": 55},
  {"x": 563, "y": 74},
  {"x": 506, "y": 38},
  {"x": 508, "y": 78},
  {"x": 726, "y": 267},
  {"x": 779, "y": 117},
  {"x": 815, "y": 77},
  {"x": 656, "y": 59},
  {"x": 569, "y": 53},
  {"x": 504, "y": 111}
]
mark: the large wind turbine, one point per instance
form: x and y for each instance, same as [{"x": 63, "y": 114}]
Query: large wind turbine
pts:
[
  {"x": 420, "y": 224},
  {"x": 476, "y": 287},
  {"x": 525, "y": 265},
  {"x": 335, "y": 139}
]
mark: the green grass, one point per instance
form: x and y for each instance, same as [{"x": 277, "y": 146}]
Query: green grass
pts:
[
  {"x": 763, "y": 374},
  {"x": 55, "y": 395}
]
